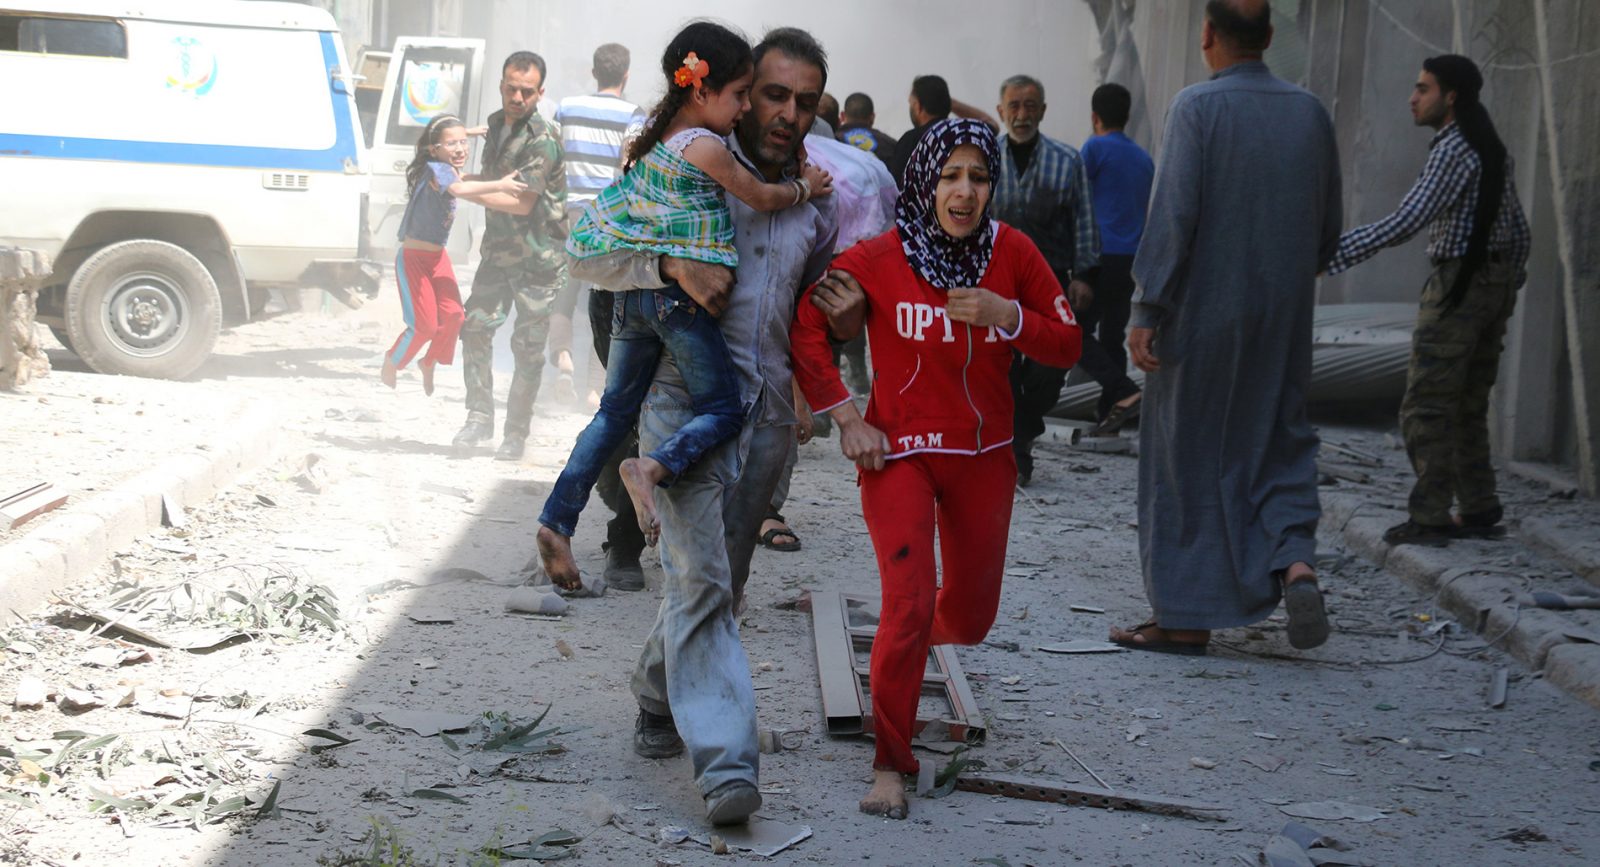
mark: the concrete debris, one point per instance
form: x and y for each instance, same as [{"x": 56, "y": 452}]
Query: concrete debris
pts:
[
  {"x": 31, "y": 693},
  {"x": 313, "y": 474},
  {"x": 172, "y": 514},
  {"x": 1299, "y": 846},
  {"x": 78, "y": 700},
  {"x": 1081, "y": 646},
  {"x": 1264, "y": 762},
  {"x": 22, "y": 506},
  {"x": 759, "y": 836},
  {"x": 1333, "y": 811},
  {"x": 422, "y": 722},
  {"x": 771, "y": 741},
  {"x": 533, "y": 600}
]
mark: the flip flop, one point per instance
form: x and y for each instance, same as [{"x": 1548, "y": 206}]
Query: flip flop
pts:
[
  {"x": 1308, "y": 619},
  {"x": 1181, "y": 648}
]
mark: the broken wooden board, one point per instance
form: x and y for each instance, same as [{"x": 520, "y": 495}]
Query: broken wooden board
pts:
[
  {"x": 29, "y": 503},
  {"x": 1086, "y": 796}
]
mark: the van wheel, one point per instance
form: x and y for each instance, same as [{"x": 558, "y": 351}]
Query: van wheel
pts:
[
  {"x": 62, "y": 337},
  {"x": 259, "y": 297},
  {"x": 143, "y": 308}
]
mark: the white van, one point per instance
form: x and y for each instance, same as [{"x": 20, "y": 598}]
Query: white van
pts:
[{"x": 178, "y": 160}]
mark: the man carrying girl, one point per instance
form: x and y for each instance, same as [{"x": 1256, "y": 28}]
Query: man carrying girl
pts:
[{"x": 670, "y": 201}]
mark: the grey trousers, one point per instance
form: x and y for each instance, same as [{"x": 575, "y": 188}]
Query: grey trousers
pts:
[
  {"x": 780, "y": 493},
  {"x": 693, "y": 666}
]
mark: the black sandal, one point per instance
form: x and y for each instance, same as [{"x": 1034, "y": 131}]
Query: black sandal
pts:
[
  {"x": 1308, "y": 618},
  {"x": 769, "y": 538},
  {"x": 1116, "y": 418}
]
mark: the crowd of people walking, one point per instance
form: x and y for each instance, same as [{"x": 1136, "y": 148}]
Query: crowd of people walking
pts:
[{"x": 755, "y": 258}]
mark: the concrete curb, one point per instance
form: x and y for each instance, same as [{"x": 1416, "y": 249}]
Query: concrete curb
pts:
[
  {"x": 68, "y": 547},
  {"x": 1483, "y": 599},
  {"x": 1577, "y": 548}
]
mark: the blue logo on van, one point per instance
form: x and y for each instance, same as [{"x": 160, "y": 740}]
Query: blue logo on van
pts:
[{"x": 193, "y": 68}]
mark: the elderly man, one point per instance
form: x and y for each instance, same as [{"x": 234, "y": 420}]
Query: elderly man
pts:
[
  {"x": 693, "y": 679},
  {"x": 1043, "y": 190},
  {"x": 524, "y": 264},
  {"x": 1245, "y": 212}
]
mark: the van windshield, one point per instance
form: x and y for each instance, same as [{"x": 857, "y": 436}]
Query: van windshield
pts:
[{"x": 86, "y": 37}]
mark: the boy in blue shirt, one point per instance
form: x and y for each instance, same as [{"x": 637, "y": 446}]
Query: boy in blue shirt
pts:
[{"x": 1120, "y": 174}]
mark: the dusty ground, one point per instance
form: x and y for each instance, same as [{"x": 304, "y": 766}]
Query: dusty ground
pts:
[{"x": 1394, "y": 723}]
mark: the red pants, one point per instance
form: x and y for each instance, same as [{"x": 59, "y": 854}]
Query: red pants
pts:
[
  {"x": 968, "y": 498},
  {"x": 431, "y": 301}
]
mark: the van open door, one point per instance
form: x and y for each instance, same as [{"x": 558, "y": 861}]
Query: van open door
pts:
[{"x": 422, "y": 77}]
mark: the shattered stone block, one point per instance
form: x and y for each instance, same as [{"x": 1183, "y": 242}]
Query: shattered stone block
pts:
[{"x": 22, "y": 272}]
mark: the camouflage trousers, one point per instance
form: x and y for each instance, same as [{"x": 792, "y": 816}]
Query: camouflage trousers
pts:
[
  {"x": 496, "y": 292},
  {"x": 1444, "y": 418}
]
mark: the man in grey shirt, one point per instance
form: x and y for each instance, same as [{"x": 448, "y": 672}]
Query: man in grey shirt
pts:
[{"x": 693, "y": 678}]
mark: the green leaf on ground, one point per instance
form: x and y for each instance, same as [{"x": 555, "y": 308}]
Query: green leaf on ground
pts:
[
  {"x": 945, "y": 782},
  {"x": 436, "y": 795},
  {"x": 15, "y": 798},
  {"x": 269, "y": 807},
  {"x": 338, "y": 740}
]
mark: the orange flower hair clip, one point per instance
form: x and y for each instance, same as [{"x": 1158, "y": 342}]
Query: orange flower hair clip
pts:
[{"x": 691, "y": 72}]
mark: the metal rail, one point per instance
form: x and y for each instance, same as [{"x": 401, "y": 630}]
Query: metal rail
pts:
[{"x": 846, "y": 702}]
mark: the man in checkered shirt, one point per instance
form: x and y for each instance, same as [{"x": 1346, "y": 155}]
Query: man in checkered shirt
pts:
[
  {"x": 1042, "y": 190},
  {"x": 1478, "y": 243}
]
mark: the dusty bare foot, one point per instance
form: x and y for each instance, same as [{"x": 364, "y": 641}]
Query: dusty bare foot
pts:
[
  {"x": 555, "y": 551},
  {"x": 427, "y": 376},
  {"x": 640, "y": 476},
  {"x": 389, "y": 373},
  {"x": 887, "y": 797}
]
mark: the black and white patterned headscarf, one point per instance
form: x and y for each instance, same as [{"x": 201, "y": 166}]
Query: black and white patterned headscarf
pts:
[{"x": 942, "y": 260}]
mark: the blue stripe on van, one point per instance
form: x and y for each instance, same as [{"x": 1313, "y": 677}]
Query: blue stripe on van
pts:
[{"x": 235, "y": 156}]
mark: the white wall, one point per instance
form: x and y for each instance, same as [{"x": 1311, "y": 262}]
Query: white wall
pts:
[{"x": 874, "y": 47}]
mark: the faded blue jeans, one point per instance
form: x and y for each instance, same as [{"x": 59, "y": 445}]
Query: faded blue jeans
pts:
[
  {"x": 693, "y": 666},
  {"x": 643, "y": 323}
]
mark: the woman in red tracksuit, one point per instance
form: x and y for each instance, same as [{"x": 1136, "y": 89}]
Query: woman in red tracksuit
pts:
[{"x": 945, "y": 297}]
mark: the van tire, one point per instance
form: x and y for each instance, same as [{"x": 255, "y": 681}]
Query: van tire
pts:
[
  {"x": 62, "y": 337},
  {"x": 143, "y": 308}
]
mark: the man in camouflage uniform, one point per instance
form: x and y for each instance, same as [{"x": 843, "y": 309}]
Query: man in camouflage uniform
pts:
[
  {"x": 524, "y": 261},
  {"x": 1478, "y": 241}
]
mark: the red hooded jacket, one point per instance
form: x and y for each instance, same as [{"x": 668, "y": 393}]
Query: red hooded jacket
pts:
[{"x": 938, "y": 385}]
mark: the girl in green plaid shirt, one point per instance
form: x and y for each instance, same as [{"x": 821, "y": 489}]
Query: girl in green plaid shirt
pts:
[{"x": 669, "y": 201}]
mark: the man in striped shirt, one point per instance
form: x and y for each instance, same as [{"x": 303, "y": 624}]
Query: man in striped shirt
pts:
[
  {"x": 1042, "y": 190},
  {"x": 594, "y": 129},
  {"x": 1478, "y": 243}
]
